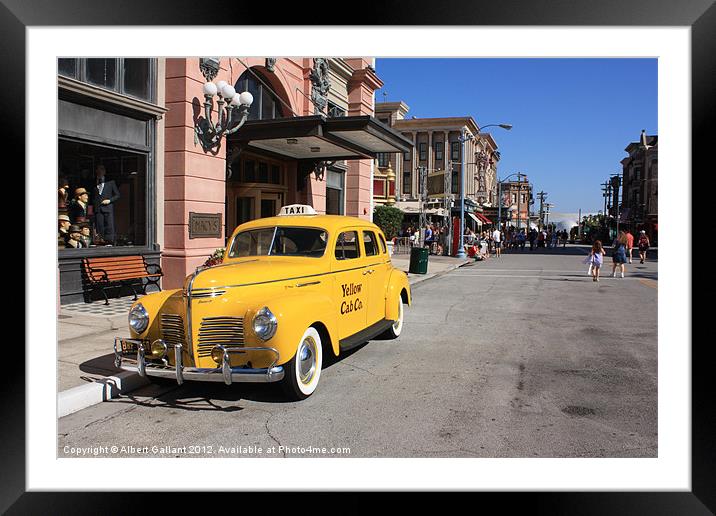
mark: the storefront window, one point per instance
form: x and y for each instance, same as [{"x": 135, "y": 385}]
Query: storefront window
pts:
[
  {"x": 103, "y": 192},
  {"x": 67, "y": 67},
  {"x": 136, "y": 77},
  {"x": 127, "y": 76},
  {"x": 102, "y": 72}
]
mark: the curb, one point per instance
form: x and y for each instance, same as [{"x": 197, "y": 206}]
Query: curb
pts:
[
  {"x": 445, "y": 271},
  {"x": 83, "y": 396}
]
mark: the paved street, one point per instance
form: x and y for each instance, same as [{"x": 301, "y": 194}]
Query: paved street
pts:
[{"x": 522, "y": 356}]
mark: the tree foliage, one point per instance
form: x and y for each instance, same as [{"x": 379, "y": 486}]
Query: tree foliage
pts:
[{"x": 388, "y": 219}]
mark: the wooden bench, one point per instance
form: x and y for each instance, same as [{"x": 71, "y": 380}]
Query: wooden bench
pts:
[{"x": 117, "y": 271}]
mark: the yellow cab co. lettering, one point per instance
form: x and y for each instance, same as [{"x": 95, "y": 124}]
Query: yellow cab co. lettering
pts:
[{"x": 354, "y": 305}]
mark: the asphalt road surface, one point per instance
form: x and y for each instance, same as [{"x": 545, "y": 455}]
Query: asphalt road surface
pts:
[{"x": 522, "y": 356}]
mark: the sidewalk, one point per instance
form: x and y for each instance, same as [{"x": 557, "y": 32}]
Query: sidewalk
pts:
[
  {"x": 436, "y": 265},
  {"x": 86, "y": 374}
]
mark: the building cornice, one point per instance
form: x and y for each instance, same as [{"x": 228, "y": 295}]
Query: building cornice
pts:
[
  {"x": 340, "y": 67},
  {"x": 111, "y": 97},
  {"x": 450, "y": 123},
  {"x": 368, "y": 77}
]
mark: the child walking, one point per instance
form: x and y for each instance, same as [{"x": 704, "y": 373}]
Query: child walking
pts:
[{"x": 596, "y": 258}]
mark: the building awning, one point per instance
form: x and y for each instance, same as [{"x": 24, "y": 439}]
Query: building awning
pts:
[
  {"x": 320, "y": 138},
  {"x": 483, "y": 218},
  {"x": 476, "y": 219}
]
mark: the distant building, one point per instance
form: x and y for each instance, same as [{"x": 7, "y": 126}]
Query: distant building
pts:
[
  {"x": 436, "y": 147},
  {"x": 640, "y": 208},
  {"x": 517, "y": 196}
]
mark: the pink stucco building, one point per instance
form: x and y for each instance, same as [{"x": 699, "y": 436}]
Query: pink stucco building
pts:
[{"x": 310, "y": 138}]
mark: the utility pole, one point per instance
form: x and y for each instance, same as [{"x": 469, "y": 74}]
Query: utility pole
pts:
[{"x": 542, "y": 196}]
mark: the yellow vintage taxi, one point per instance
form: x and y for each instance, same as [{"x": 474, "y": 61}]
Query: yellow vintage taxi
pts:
[{"x": 291, "y": 290}]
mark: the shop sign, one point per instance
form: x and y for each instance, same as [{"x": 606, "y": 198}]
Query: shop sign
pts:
[{"x": 204, "y": 225}]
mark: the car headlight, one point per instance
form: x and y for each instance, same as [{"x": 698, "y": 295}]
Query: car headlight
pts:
[
  {"x": 138, "y": 318},
  {"x": 265, "y": 324}
]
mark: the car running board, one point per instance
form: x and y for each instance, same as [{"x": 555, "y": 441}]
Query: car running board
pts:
[{"x": 365, "y": 335}]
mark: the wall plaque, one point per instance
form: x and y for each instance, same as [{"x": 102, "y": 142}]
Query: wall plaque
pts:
[{"x": 204, "y": 225}]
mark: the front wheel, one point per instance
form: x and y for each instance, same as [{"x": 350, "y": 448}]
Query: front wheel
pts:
[
  {"x": 303, "y": 371},
  {"x": 397, "y": 327}
]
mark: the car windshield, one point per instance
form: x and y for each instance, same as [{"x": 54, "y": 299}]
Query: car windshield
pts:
[{"x": 280, "y": 241}]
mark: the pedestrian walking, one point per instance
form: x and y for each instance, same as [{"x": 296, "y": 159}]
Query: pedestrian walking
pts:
[
  {"x": 629, "y": 244},
  {"x": 533, "y": 237},
  {"x": 497, "y": 241},
  {"x": 643, "y": 244},
  {"x": 619, "y": 257},
  {"x": 595, "y": 259}
]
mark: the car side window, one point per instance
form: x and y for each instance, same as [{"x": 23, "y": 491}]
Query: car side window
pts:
[
  {"x": 347, "y": 246},
  {"x": 370, "y": 244},
  {"x": 382, "y": 244}
]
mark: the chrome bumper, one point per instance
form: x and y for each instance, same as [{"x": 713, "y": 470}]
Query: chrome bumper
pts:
[{"x": 224, "y": 373}]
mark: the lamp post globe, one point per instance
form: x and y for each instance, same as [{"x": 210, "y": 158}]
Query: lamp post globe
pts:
[{"x": 246, "y": 99}]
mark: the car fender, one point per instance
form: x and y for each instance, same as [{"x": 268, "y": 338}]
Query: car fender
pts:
[
  {"x": 397, "y": 282},
  {"x": 153, "y": 304},
  {"x": 294, "y": 314}
]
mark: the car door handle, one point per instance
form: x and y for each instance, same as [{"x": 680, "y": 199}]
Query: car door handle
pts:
[{"x": 307, "y": 284}]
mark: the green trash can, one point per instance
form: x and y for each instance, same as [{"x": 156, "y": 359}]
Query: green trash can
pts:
[{"x": 418, "y": 260}]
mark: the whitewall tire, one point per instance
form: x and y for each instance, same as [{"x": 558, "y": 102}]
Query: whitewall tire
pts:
[
  {"x": 302, "y": 372},
  {"x": 397, "y": 327}
]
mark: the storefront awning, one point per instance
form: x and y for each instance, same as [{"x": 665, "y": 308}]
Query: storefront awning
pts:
[
  {"x": 473, "y": 217},
  {"x": 320, "y": 138},
  {"x": 483, "y": 218}
]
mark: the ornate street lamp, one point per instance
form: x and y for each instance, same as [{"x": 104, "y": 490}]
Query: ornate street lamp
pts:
[{"x": 229, "y": 119}]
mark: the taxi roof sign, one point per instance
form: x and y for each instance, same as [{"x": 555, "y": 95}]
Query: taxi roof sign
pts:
[{"x": 297, "y": 209}]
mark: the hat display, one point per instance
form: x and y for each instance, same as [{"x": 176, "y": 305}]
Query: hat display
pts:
[
  {"x": 64, "y": 218},
  {"x": 80, "y": 191}
]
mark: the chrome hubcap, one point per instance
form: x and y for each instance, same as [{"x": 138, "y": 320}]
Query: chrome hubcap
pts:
[{"x": 307, "y": 360}]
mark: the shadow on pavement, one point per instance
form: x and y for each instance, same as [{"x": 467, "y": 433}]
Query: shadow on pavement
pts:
[
  {"x": 103, "y": 365},
  {"x": 202, "y": 396}
]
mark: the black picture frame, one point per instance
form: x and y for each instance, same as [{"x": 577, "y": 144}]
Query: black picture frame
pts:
[{"x": 699, "y": 15}]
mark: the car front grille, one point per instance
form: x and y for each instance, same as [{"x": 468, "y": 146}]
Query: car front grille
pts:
[
  {"x": 173, "y": 329},
  {"x": 227, "y": 331}
]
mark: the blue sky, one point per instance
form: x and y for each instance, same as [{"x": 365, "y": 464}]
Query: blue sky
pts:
[{"x": 572, "y": 118}]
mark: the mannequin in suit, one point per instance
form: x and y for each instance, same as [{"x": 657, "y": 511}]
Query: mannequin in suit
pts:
[
  {"x": 78, "y": 207},
  {"x": 105, "y": 195}
]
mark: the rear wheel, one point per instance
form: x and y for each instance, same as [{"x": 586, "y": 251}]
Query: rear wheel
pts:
[{"x": 302, "y": 372}]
